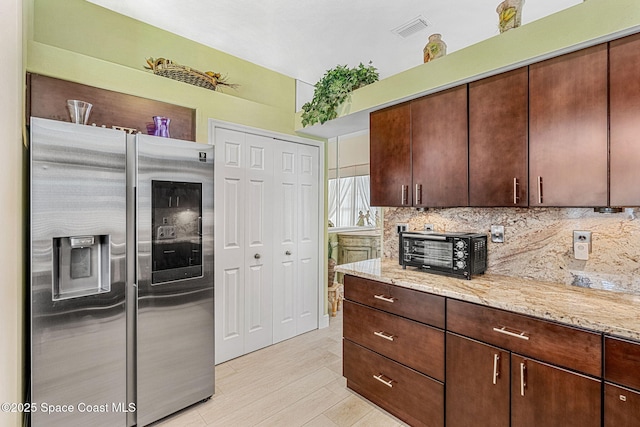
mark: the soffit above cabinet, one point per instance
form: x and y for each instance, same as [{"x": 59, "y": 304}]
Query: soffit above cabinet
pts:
[{"x": 543, "y": 39}]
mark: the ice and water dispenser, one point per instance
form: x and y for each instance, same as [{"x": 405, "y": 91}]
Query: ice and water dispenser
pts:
[{"x": 80, "y": 266}]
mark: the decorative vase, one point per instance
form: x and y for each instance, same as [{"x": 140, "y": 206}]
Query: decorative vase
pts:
[
  {"x": 509, "y": 14},
  {"x": 435, "y": 48},
  {"x": 162, "y": 126}
]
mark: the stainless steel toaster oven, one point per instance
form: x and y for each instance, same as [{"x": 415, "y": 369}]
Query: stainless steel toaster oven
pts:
[{"x": 453, "y": 254}]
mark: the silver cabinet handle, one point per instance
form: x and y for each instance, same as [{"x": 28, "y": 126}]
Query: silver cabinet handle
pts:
[
  {"x": 381, "y": 334},
  {"x": 404, "y": 195},
  {"x": 504, "y": 330},
  {"x": 387, "y": 383},
  {"x": 418, "y": 194},
  {"x": 540, "y": 190},
  {"x": 383, "y": 298},
  {"x": 257, "y": 256},
  {"x": 523, "y": 383},
  {"x": 516, "y": 197},
  {"x": 496, "y": 367},
  {"x": 287, "y": 253}
]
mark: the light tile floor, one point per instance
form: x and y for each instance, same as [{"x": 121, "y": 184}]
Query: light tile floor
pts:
[{"x": 297, "y": 382}]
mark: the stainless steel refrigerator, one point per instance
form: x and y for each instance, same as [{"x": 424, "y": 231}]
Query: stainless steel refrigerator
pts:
[{"x": 121, "y": 290}]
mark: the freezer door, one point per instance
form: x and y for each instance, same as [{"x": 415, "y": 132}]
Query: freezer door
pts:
[
  {"x": 77, "y": 282},
  {"x": 175, "y": 362}
]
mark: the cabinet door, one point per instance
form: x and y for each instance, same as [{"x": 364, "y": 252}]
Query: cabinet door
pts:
[
  {"x": 477, "y": 384},
  {"x": 229, "y": 292},
  {"x": 244, "y": 244},
  {"x": 624, "y": 81},
  {"x": 544, "y": 395},
  {"x": 295, "y": 275},
  {"x": 258, "y": 243},
  {"x": 621, "y": 406},
  {"x": 390, "y": 156},
  {"x": 440, "y": 154},
  {"x": 498, "y": 140},
  {"x": 568, "y": 130}
]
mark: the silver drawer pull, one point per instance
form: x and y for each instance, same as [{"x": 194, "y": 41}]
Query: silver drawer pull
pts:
[
  {"x": 383, "y": 335},
  {"x": 496, "y": 366},
  {"x": 504, "y": 330},
  {"x": 383, "y": 298},
  {"x": 523, "y": 381},
  {"x": 387, "y": 383}
]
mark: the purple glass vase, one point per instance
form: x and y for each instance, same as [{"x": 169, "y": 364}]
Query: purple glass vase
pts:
[{"x": 162, "y": 126}]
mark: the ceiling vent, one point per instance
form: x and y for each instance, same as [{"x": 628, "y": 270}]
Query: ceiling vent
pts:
[{"x": 412, "y": 27}]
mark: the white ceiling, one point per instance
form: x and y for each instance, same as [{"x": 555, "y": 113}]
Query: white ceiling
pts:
[{"x": 304, "y": 38}]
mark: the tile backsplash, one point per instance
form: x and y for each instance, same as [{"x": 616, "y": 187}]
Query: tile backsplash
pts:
[{"x": 539, "y": 242}]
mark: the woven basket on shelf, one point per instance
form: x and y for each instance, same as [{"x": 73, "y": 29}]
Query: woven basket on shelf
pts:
[{"x": 168, "y": 68}]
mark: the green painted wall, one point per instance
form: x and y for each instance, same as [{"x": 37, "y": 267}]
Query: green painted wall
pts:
[{"x": 79, "y": 41}]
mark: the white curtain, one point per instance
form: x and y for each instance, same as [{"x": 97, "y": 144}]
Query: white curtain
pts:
[
  {"x": 361, "y": 201},
  {"x": 345, "y": 203},
  {"x": 352, "y": 207},
  {"x": 333, "y": 202}
]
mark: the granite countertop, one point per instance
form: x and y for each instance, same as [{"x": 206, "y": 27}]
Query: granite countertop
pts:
[{"x": 603, "y": 311}]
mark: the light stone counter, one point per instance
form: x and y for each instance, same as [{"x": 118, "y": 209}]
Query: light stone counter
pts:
[{"x": 604, "y": 311}]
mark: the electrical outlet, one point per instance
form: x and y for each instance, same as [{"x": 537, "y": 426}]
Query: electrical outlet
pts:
[
  {"x": 581, "y": 245},
  {"x": 400, "y": 227},
  {"x": 497, "y": 233},
  {"x": 428, "y": 227}
]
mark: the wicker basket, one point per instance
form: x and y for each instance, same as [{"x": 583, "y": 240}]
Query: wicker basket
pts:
[{"x": 167, "y": 68}]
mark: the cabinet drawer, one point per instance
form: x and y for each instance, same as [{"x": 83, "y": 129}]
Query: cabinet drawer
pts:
[
  {"x": 551, "y": 342},
  {"x": 409, "y": 395},
  {"x": 622, "y": 362},
  {"x": 621, "y": 407},
  {"x": 411, "y": 343},
  {"x": 416, "y": 305}
]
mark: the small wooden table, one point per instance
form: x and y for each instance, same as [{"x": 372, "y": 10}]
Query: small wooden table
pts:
[{"x": 336, "y": 295}]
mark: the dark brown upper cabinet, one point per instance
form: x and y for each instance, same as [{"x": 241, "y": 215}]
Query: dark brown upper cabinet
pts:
[
  {"x": 498, "y": 140},
  {"x": 568, "y": 149},
  {"x": 390, "y": 156},
  {"x": 624, "y": 104},
  {"x": 440, "y": 152}
]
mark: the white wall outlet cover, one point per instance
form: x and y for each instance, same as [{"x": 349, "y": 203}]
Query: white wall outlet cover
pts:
[
  {"x": 400, "y": 227},
  {"x": 497, "y": 233},
  {"x": 581, "y": 251}
]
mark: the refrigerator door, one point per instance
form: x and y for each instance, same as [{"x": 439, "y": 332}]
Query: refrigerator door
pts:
[
  {"x": 174, "y": 342},
  {"x": 77, "y": 313}
]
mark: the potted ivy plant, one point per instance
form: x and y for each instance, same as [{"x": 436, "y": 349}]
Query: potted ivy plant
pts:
[{"x": 333, "y": 89}]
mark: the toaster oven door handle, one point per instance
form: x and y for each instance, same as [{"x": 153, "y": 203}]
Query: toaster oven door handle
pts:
[{"x": 426, "y": 236}]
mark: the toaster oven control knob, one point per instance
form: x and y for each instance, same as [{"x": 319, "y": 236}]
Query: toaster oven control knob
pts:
[
  {"x": 461, "y": 264},
  {"x": 460, "y": 244},
  {"x": 460, "y": 254}
]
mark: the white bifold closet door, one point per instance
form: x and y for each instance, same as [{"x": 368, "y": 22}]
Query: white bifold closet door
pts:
[
  {"x": 266, "y": 241},
  {"x": 244, "y": 243},
  {"x": 295, "y": 284}
]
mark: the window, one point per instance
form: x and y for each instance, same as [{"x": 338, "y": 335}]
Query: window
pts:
[{"x": 348, "y": 182}]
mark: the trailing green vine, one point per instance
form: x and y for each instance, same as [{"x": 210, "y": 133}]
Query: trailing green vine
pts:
[{"x": 333, "y": 89}]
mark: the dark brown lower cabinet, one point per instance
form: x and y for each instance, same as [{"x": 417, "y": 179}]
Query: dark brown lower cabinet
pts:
[
  {"x": 488, "y": 386},
  {"x": 621, "y": 407},
  {"x": 412, "y": 397},
  {"x": 478, "y": 384},
  {"x": 545, "y": 395}
]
